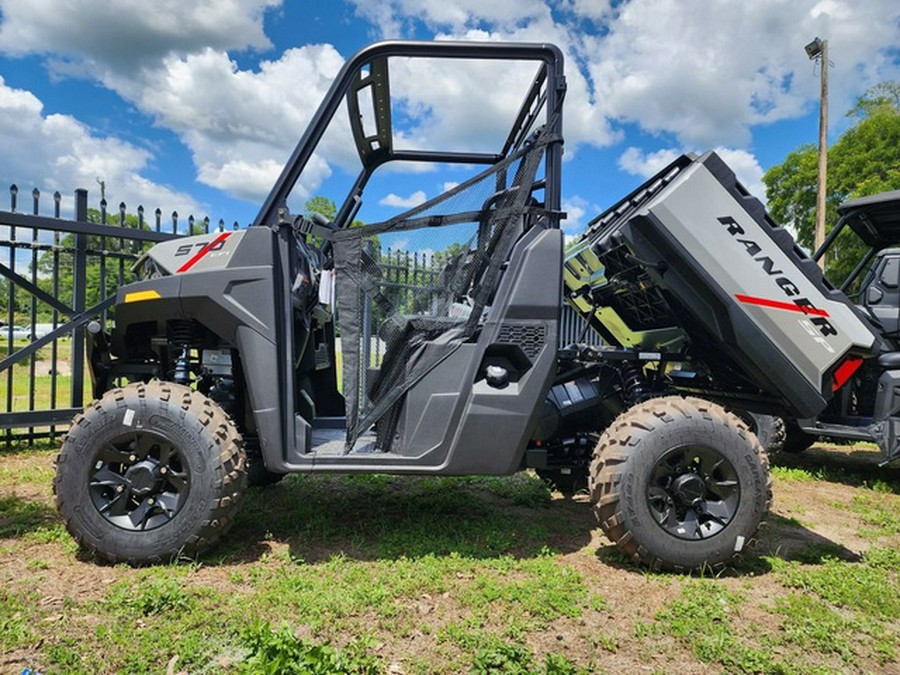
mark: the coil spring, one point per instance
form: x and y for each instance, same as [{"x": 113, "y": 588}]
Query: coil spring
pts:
[
  {"x": 634, "y": 383},
  {"x": 184, "y": 333}
]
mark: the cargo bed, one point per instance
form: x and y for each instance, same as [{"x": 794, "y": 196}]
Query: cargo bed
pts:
[{"x": 691, "y": 266}]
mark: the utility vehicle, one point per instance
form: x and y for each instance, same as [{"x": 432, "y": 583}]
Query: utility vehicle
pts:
[
  {"x": 224, "y": 359},
  {"x": 868, "y": 231}
]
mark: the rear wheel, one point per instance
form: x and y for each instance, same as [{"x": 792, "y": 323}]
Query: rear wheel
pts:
[
  {"x": 769, "y": 430},
  {"x": 678, "y": 483},
  {"x": 150, "y": 472}
]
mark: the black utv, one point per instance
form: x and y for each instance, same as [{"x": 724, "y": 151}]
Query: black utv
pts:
[{"x": 867, "y": 233}]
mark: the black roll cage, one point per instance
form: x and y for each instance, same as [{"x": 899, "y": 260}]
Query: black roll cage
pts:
[
  {"x": 875, "y": 220},
  {"x": 368, "y": 68}
]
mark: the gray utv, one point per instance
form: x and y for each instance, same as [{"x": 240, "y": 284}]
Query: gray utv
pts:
[{"x": 232, "y": 357}]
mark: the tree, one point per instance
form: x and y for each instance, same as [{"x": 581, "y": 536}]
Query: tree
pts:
[
  {"x": 111, "y": 274},
  {"x": 321, "y": 205},
  {"x": 865, "y": 160}
]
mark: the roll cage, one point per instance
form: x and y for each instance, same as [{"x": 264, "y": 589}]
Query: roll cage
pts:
[{"x": 365, "y": 81}]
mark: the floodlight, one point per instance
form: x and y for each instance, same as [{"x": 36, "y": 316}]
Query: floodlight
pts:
[{"x": 814, "y": 49}]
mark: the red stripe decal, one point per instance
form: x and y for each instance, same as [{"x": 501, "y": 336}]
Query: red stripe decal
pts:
[
  {"x": 845, "y": 371},
  {"x": 202, "y": 252},
  {"x": 787, "y": 306}
]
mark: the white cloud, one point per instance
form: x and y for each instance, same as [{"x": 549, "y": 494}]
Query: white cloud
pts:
[
  {"x": 595, "y": 10},
  {"x": 637, "y": 163},
  {"x": 744, "y": 164},
  {"x": 392, "y": 16},
  {"x": 584, "y": 122},
  {"x": 57, "y": 152},
  {"x": 709, "y": 71},
  {"x": 241, "y": 125},
  {"x": 445, "y": 105},
  {"x": 747, "y": 169},
  {"x": 658, "y": 64},
  {"x": 415, "y": 199},
  {"x": 122, "y": 35},
  {"x": 578, "y": 211}
]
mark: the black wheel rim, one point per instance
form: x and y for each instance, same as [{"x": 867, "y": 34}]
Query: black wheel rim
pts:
[
  {"x": 139, "y": 481},
  {"x": 694, "y": 492}
]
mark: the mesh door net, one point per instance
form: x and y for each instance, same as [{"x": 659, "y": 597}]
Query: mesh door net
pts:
[{"x": 402, "y": 312}]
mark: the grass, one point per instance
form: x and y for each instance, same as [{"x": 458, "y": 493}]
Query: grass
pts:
[
  {"x": 877, "y": 512},
  {"x": 382, "y": 574},
  {"x": 703, "y": 618},
  {"x": 42, "y": 391}
]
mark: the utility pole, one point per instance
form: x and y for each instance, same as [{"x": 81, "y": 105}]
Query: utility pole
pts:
[{"x": 817, "y": 50}]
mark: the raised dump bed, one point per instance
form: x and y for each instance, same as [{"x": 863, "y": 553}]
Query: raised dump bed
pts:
[{"x": 690, "y": 265}]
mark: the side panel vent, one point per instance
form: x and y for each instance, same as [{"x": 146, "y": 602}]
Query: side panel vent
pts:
[{"x": 530, "y": 338}]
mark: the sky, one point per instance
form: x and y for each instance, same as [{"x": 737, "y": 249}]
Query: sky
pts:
[{"x": 195, "y": 106}]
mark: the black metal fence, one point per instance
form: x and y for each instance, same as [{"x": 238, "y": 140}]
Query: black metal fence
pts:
[
  {"x": 405, "y": 275},
  {"x": 58, "y": 274}
]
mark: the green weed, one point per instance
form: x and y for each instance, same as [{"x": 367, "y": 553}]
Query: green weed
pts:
[
  {"x": 537, "y": 588},
  {"x": 35, "y": 467},
  {"x": 868, "y": 589},
  {"x": 19, "y": 516},
  {"x": 792, "y": 474},
  {"x": 879, "y": 511},
  {"x": 512, "y": 659},
  {"x": 150, "y": 596},
  {"x": 811, "y": 625},
  {"x": 504, "y": 658},
  {"x": 281, "y": 652},
  {"x": 849, "y": 610},
  {"x": 15, "y": 622},
  {"x": 53, "y": 534},
  {"x": 886, "y": 558},
  {"x": 701, "y": 617}
]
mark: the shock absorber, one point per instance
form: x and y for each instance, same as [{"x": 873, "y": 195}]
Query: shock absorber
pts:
[
  {"x": 183, "y": 335},
  {"x": 634, "y": 384}
]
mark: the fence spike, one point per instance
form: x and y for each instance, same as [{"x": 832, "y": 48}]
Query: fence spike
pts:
[
  {"x": 221, "y": 224},
  {"x": 206, "y": 224},
  {"x": 122, "y": 214},
  {"x": 103, "y": 211},
  {"x": 13, "y": 196},
  {"x": 57, "y": 200},
  {"x": 158, "y": 219},
  {"x": 174, "y": 222},
  {"x": 36, "y": 197},
  {"x": 235, "y": 226},
  {"x": 140, "y": 211},
  {"x": 191, "y": 224}
]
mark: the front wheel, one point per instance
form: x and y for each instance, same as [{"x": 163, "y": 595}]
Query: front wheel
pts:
[
  {"x": 150, "y": 472},
  {"x": 680, "y": 484}
]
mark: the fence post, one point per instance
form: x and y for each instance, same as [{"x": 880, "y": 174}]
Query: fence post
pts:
[{"x": 79, "y": 288}]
